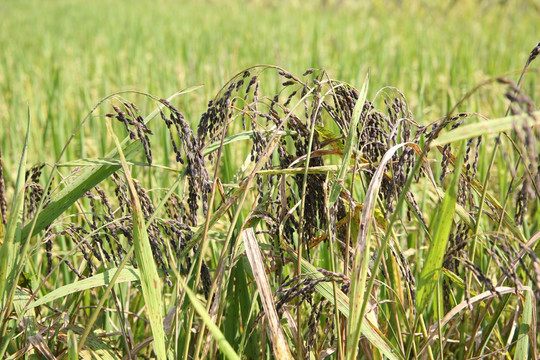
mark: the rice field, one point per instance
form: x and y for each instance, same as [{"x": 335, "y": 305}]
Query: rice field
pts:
[{"x": 260, "y": 180}]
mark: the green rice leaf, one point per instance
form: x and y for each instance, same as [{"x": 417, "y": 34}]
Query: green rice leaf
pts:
[
  {"x": 95, "y": 347},
  {"x": 486, "y": 127},
  {"x": 102, "y": 279},
  {"x": 150, "y": 281},
  {"x": 351, "y": 140},
  {"x": 431, "y": 271},
  {"x": 526, "y": 335},
  {"x": 12, "y": 240}
]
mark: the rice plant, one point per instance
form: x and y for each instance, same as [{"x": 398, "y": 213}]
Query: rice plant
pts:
[{"x": 310, "y": 222}]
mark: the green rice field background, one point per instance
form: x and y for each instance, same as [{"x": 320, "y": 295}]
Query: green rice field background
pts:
[
  {"x": 61, "y": 57},
  {"x": 264, "y": 179}
]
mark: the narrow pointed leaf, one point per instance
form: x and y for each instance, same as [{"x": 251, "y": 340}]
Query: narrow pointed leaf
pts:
[
  {"x": 351, "y": 141},
  {"x": 432, "y": 269}
]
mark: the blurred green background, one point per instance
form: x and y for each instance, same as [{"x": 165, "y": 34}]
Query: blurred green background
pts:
[{"x": 60, "y": 57}]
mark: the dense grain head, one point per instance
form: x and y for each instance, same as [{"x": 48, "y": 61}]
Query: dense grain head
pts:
[{"x": 34, "y": 191}]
